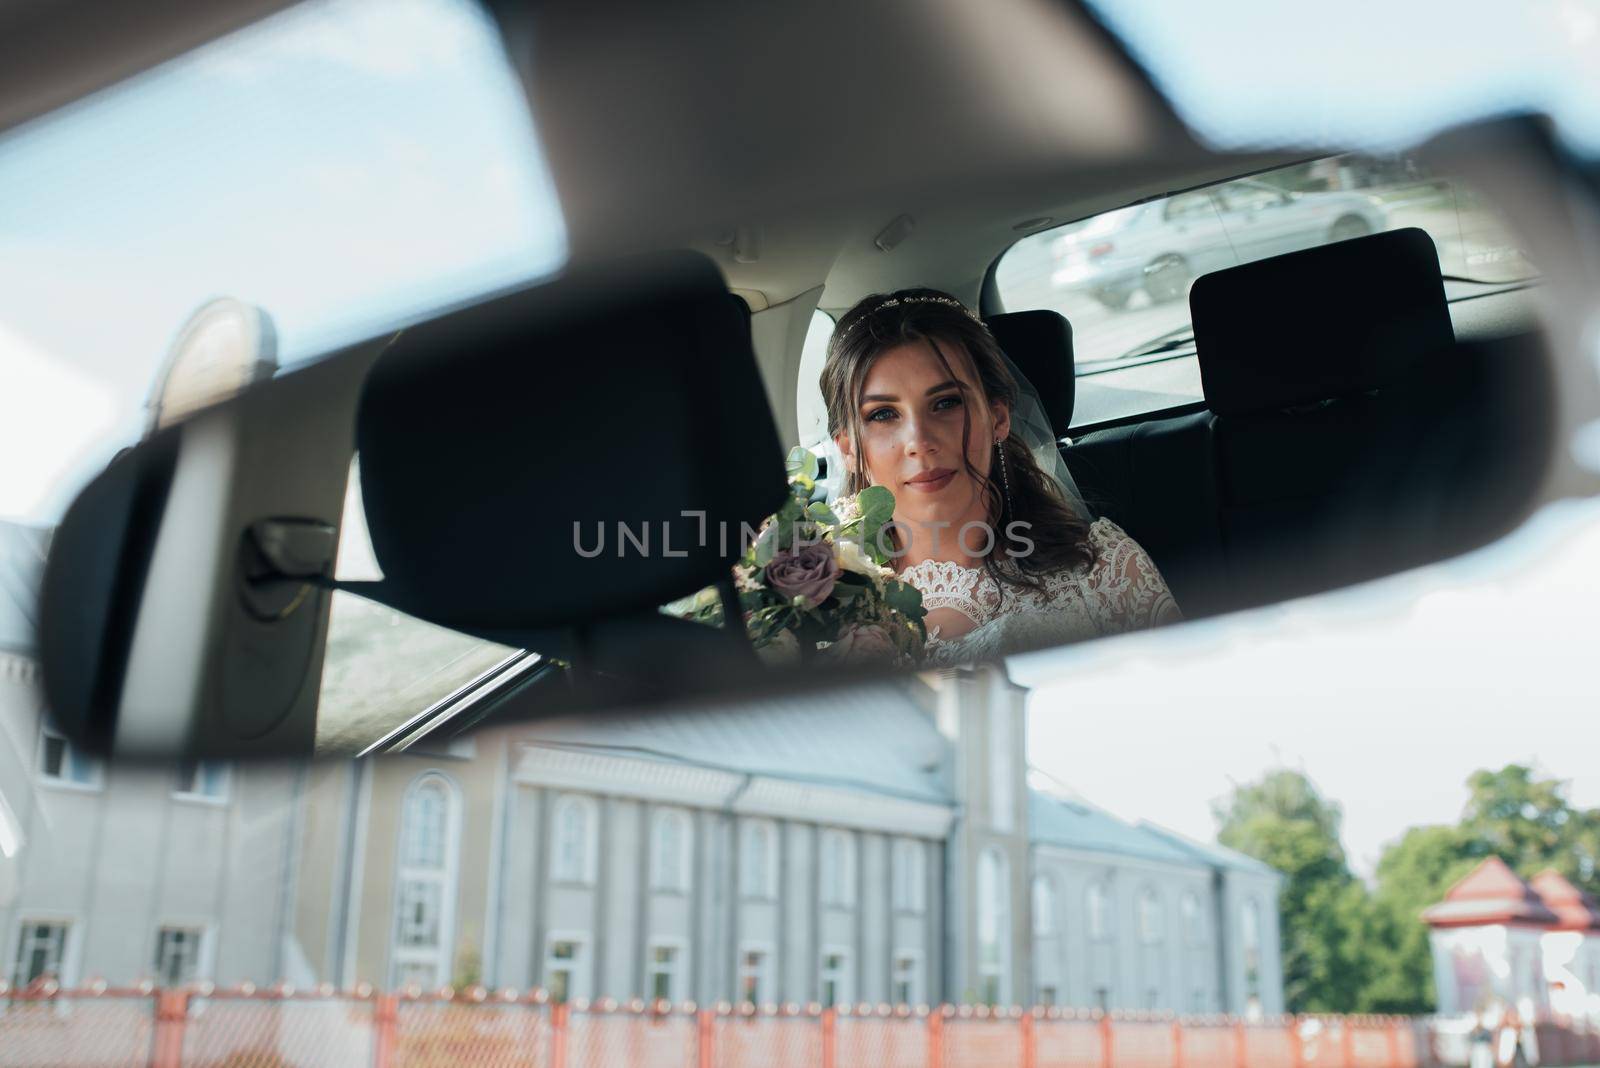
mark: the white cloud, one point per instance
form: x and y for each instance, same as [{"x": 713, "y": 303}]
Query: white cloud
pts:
[
  {"x": 1388, "y": 695},
  {"x": 51, "y": 416}
]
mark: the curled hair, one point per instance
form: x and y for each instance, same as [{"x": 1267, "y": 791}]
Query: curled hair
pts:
[{"x": 884, "y": 321}]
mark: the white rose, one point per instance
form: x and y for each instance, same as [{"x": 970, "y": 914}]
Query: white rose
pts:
[
  {"x": 862, "y": 645},
  {"x": 852, "y": 556},
  {"x": 846, "y": 509}
]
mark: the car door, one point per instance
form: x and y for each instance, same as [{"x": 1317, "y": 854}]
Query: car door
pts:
[{"x": 1261, "y": 221}]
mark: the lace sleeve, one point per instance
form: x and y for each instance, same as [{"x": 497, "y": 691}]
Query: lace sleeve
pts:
[{"x": 1131, "y": 592}]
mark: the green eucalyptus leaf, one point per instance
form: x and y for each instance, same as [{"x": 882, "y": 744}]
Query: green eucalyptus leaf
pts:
[
  {"x": 820, "y": 512},
  {"x": 801, "y": 461},
  {"x": 766, "y": 545}
]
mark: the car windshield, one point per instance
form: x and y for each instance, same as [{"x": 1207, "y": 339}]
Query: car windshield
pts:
[
  {"x": 1122, "y": 278},
  {"x": 379, "y": 163}
]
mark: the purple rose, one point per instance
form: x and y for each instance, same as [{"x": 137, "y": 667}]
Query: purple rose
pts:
[{"x": 809, "y": 571}]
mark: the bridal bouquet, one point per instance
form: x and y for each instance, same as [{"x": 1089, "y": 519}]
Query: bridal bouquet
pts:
[{"x": 816, "y": 585}]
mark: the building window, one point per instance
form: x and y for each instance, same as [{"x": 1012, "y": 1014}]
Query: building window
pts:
[
  {"x": 1152, "y": 999},
  {"x": 1194, "y": 926},
  {"x": 1002, "y": 780},
  {"x": 1047, "y": 995},
  {"x": 1102, "y": 998},
  {"x": 994, "y": 928},
  {"x": 563, "y": 968},
  {"x": 62, "y": 762},
  {"x": 755, "y": 975},
  {"x": 910, "y": 875},
  {"x": 1152, "y": 929},
  {"x": 425, "y": 884},
  {"x": 573, "y": 846},
  {"x": 836, "y": 988},
  {"x": 663, "y": 968},
  {"x": 41, "y": 951},
  {"x": 177, "y": 960},
  {"x": 669, "y": 851},
  {"x": 1044, "y": 905},
  {"x": 1250, "y": 937},
  {"x": 907, "y": 978},
  {"x": 204, "y": 780},
  {"x": 1094, "y": 908},
  {"x": 838, "y": 868},
  {"x": 758, "y": 859}
]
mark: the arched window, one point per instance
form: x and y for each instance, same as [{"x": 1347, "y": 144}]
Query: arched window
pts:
[
  {"x": 572, "y": 848},
  {"x": 425, "y": 883},
  {"x": 910, "y": 875},
  {"x": 838, "y": 863},
  {"x": 758, "y": 859},
  {"x": 994, "y": 928},
  {"x": 1096, "y": 919},
  {"x": 670, "y": 843},
  {"x": 1152, "y": 925},
  {"x": 1250, "y": 938},
  {"x": 1194, "y": 926},
  {"x": 1044, "y": 905}
]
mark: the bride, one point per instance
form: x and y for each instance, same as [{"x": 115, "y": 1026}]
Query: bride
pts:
[{"x": 987, "y": 522}]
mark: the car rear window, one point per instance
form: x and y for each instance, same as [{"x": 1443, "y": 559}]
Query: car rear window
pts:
[{"x": 1122, "y": 277}]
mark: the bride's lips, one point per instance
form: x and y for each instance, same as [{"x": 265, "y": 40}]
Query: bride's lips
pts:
[{"x": 931, "y": 481}]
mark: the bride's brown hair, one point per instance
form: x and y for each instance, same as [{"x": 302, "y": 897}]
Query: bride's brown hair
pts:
[{"x": 886, "y": 320}]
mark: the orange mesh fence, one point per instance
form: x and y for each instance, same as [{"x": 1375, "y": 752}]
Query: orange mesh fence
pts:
[
  {"x": 77, "y": 1030},
  {"x": 603, "y": 1039},
  {"x": 782, "y": 1040},
  {"x": 276, "y": 1032},
  {"x": 1265, "y": 1046},
  {"x": 283, "y": 1029},
  {"x": 1371, "y": 1042},
  {"x": 1068, "y": 1040},
  {"x": 435, "y": 1033},
  {"x": 979, "y": 1039},
  {"x": 1142, "y": 1043},
  {"x": 1210, "y": 1042},
  {"x": 879, "y": 1039}
]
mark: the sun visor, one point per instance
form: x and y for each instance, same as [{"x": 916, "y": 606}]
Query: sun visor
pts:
[
  {"x": 1266, "y": 338},
  {"x": 570, "y": 452}
]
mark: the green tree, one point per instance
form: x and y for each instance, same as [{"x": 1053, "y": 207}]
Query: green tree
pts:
[
  {"x": 1350, "y": 948},
  {"x": 1284, "y": 822},
  {"x": 1530, "y": 824}
]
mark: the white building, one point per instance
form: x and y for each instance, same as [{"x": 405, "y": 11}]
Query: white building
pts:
[
  {"x": 1499, "y": 941},
  {"x": 871, "y": 844}
]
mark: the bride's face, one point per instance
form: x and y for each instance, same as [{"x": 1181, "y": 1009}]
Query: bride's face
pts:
[{"x": 912, "y": 414}]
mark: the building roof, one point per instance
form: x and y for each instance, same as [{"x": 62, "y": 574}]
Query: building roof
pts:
[
  {"x": 1077, "y": 824},
  {"x": 1490, "y": 894},
  {"x": 22, "y": 550},
  {"x": 1575, "y": 910},
  {"x": 873, "y": 738},
  {"x": 1212, "y": 853}
]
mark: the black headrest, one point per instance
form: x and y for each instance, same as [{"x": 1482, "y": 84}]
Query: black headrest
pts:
[
  {"x": 1040, "y": 344},
  {"x": 501, "y": 445},
  {"x": 1326, "y": 322}
]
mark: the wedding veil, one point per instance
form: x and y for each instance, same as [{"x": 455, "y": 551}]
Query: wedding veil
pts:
[{"x": 1031, "y": 426}]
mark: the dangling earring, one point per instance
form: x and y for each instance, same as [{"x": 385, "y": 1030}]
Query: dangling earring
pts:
[{"x": 1005, "y": 474}]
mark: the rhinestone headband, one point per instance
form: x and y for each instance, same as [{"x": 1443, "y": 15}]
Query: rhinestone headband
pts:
[{"x": 896, "y": 302}]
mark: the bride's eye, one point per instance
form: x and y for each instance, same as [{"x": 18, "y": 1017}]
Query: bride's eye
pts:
[
  {"x": 873, "y": 416},
  {"x": 948, "y": 401}
]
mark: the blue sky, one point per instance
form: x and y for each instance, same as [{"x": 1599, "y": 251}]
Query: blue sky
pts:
[{"x": 345, "y": 165}]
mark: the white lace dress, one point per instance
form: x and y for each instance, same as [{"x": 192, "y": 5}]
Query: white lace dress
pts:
[{"x": 1120, "y": 591}]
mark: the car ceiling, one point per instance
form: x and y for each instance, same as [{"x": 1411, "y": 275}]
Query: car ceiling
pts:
[{"x": 781, "y": 140}]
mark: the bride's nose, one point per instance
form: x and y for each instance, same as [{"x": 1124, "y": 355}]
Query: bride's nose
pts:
[{"x": 920, "y": 437}]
